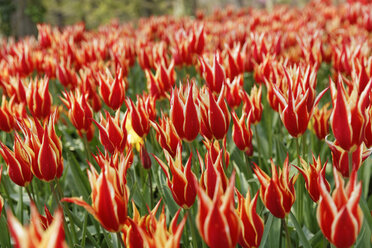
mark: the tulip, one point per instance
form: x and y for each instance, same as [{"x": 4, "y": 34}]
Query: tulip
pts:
[
  {"x": 145, "y": 157},
  {"x": 340, "y": 158},
  {"x": 147, "y": 231},
  {"x": 233, "y": 89},
  {"x": 235, "y": 63},
  {"x": 67, "y": 75},
  {"x": 339, "y": 216},
  {"x": 217, "y": 221},
  {"x": 7, "y": 121},
  {"x": 253, "y": 103},
  {"x": 321, "y": 121},
  {"x": 277, "y": 193},
  {"x": 166, "y": 135},
  {"x": 88, "y": 84},
  {"x": 37, "y": 234},
  {"x": 45, "y": 149},
  {"x": 215, "y": 115},
  {"x": 109, "y": 195},
  {"x": 163, "y": 80},
  {"x": 112, "y": 132},
  {"x": 39, "y": 100},
  {"x": 18, "y": 162},
  {"x": 252, "y": 224},
  {"x": 242, "y": 132},
  {"x": 113, "y": 90},
  {"x": 297, "y": 109},
  {"x": 349, "y": 118},
  {"x": 214, "y": 149},
  {"x": 214, "y": 75},
  {"x": 368, "y": 132},
  {"x": 184, "y": 113},
  {"x": 79, "y": 110},
  {"x": 182, "y": 183},
  {"x": 139, "y": 116},
  {"x": 311, "y": 173}
]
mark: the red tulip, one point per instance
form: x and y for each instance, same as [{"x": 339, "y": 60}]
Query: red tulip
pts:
[
  {"x": 233, "y": 89},
  {"x": 182, "y": 183},
  {"x": 277, "y": 192},
  {"x": 39, "y": 100},
  {"x": 7, "y": 121},
  {"x": 160, "y": 83},
  {"x": 139, "y": 116},
  {"x": 215, "y": 115},
  {"x": 252, "y": 224},
  {"x": 311, "y": 173},
  {"x": 214, "y": 75},
  {"x": 109, "y": 195},
  {"x": 112, "y": 132},
  {"x": 321, "y": 121},
  {"x": 339, "y": 216},
  {"x": 349, "y": 118},
  {"x": 37, "y": 234},
  {"x": 242, "y": 132},
  {"x": 18, "y": 162},
  {"x": 368, "y": 132},
  {"x": 252, "y": 103},
  {"x": 217, "y": 221},
  {"x": 113, "y": 90},
  {"x": 184, "y": 113}
]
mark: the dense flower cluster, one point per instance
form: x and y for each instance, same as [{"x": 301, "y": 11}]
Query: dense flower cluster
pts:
[{"x": 198, "y": 94}]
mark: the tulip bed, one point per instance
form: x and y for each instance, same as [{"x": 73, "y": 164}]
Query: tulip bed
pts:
[{"x": 245, "y": 127}]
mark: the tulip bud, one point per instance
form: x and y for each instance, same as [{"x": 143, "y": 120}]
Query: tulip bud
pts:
[
  {"x": 252, "y": 224},
  {"x": 339, "y": 215},
  {"x": 145, "y": 158},
  {"x": 277, "y": 193}
]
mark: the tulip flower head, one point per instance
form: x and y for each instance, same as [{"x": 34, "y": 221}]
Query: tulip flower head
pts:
[
  {"x": 339, "y": 215},
  {"x": 277, "y": 193},
  {"x": 112, "y": 90}
]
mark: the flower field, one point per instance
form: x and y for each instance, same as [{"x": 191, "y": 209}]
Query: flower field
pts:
[{"x": 238, "y": 128}]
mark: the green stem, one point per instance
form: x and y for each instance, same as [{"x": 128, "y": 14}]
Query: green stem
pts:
[
  {"x": 86, "y": 147},
  {"x": 299, "y": 188},
  {"x": 266, "y": 232},
  {"x": 299, "y": 231},
  {"x": 7, "y": 195},
  {"x": 120, "y": 240},
  {"x": 107, "y": 240},
  {"x": 259, "y": 148},
  {"x": 84, "y": 229},
  {"x": 20, "y": 206},
  {"x": 288, "y": 237},
  {"x": 366, "y": 211},
  {"x": 192, "y": 228},
  {"x": 151, "y": 193}
]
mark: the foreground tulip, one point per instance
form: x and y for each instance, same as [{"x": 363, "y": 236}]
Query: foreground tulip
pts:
[
  {"x": 112, "y": 132},
  {"x": 277, "y": 192},
  {"x": 252, "y": 224},
  {"x": 182, "y": 183},
  {"x": 109, "y": 195},
  {"x": 18, "y": 162},
  {"x": 311, "y": 174},
  {"x": 37, "y": 234},
  {"x": 217, "y": 220},
  {"x": 39, "y": 100},
  {"x": 44, "y": 148},
  {"x": 184, "y": 113},
  {"x": 348, "y": 118},
  {"x": 149, "y": 232},
  {"x": 339, "y": 216},
  {"x": 113, "y": 90}
]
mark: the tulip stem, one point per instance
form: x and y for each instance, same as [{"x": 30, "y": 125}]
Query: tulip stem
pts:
[
  {"x": 29, "y": 194},
  {"x": 20, "y": 206},
  {"x": 151, "y": 193},
  {"x": 259, "y": 147},
  {"x": 300, "y": 233},
  {"x": 191, "y": 226},
  {"x": 120, "y": 240},
  {"x": 366, "y": 211},
  {"x": 86, "y": 147},
  {"x": 288, "y": 237},
  {"x": 299, "y": 188}
]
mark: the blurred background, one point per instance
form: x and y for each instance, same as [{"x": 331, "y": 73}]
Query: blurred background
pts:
[{"x": 19, "y": 17}]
